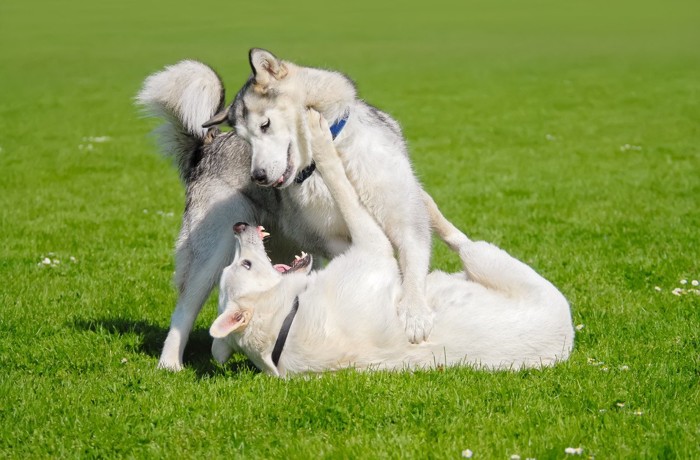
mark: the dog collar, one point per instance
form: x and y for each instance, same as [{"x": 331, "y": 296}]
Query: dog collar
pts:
[
  {"x": 284, "y": 331},
  {"x": 339, "y": 124},
  {"x": 335, "y": 130}
]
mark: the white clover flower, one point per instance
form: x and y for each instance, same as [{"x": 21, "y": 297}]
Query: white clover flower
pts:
[
  {"x": 96, "y": 139},
  {"x": 46, "y": 261},
  {"x": 466, "y": 453},
  {"x": 695, "y": 283},
  {"x": 620, "y": 404},
  {"x": 626, "y": 147},
  {"x": 624, "y": 368},
  {"x": 73, "y": 259},
  {"x": 579, "y": 327},
  {"x": 515, "y": 457},
  {"x": 684, "y": 281},
  {"x": 657, "y": 288},
  {"x": 677, "y": 291},
  {"x": 573, "y": 450},
  {"x": 638, "y": 413}
]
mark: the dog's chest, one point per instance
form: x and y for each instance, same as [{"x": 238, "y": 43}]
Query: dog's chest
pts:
[{"x": 313, "y": 218}]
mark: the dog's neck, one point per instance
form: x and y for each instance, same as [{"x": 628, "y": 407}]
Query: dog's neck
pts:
[
  {"x": 284, "y": 332},
  {"x": 271, "y": 309}
]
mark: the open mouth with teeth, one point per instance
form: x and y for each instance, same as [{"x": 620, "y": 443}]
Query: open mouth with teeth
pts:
[{"x": 300, "y": 262}]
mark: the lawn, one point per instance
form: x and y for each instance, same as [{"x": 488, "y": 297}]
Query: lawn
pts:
[{"x": 568, "y": 133}]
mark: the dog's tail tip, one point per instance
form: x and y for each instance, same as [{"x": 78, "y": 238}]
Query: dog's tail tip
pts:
[{"x": 186, "y": 94}]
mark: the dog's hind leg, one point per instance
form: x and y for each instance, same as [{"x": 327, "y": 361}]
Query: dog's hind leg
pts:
[
  {"x": 194, "y": 292},
  {"x": 205, "y": 246},
  {"x": 201, "y": 272},
  {"x": 451, "y": 235},
  {"x": 494, "y": 268}
]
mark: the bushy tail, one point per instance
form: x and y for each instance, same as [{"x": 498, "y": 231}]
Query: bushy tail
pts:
[{"x": 185, "y": 96}]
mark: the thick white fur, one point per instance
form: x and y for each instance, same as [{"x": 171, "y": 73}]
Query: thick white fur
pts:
[
  {"x": 269, "y": 113},
  {"x": 497, "y": 314},
  {"x": 186, "y": 95}
]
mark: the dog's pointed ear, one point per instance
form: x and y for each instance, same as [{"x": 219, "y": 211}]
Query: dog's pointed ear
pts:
[
  {"x": 266, "y": 66},
  {"x": 230, "y": 320},
  {"x": 218, "y": 118}
]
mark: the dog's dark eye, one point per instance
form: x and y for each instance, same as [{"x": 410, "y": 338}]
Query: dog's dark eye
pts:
[
  {"x": 265, "y": 126},
  {"x": 246, "y": 264}
]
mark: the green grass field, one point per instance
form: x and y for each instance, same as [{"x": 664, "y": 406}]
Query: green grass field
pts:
[{"x": 568, "y": 133}]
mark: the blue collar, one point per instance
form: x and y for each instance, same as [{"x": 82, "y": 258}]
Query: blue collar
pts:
[
  {"x": 335, "y": 130},
  {"x": 339, "y": 124}
]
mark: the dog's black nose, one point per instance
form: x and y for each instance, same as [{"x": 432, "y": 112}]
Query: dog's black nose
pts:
[
  {"x": 259, "y": 175},
  {"x": 240, "y": 227}
]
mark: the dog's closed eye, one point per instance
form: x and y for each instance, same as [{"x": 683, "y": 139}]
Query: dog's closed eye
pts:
[
  {"x": 246, "y": 264},
  {"x": 265, "y": 126}
]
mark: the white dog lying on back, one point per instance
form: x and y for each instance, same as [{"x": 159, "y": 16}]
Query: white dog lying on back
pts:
[{"x": 497, "y": 314}]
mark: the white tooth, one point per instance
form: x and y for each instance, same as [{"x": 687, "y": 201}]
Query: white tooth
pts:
[
  {"x": 264, "y": 234},
  {"x": 297, "y": 257},
  {"x": 303, "y": 254},
  {"x": 261, "y": 228}
]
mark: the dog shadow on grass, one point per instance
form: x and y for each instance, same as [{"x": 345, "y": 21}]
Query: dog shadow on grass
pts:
[{"x": 148, "y": 338}]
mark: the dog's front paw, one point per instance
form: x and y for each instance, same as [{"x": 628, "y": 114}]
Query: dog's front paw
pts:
[
  {"x": 418, "y": 319},
  {"x": 321, "y": 139}
]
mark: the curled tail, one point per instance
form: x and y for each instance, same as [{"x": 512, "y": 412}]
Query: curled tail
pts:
[{"x": 185, "y": 96}]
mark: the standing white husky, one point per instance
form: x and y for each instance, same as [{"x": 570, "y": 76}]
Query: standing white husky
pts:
[
  {"x": 269, "y": 112},
  {"x": 497, "y": 314}
]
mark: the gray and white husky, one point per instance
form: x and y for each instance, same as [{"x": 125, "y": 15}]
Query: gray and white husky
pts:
[
  {"x": 269, "y": 113},
  {"x": 497, "y": 314}
]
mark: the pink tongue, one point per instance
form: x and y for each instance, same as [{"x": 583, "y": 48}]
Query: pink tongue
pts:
[{"x": 282, "y": 267}]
